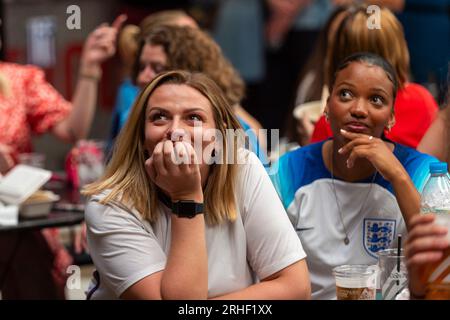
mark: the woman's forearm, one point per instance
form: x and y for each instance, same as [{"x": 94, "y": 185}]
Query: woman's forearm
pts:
[
  {"x": 84, "y": 102},
  {"x": 408, "y": 198},
  {"x": 77, "y": 125},
  {"x": 99, "y": 46},
  {"x": 186, "y": 272},
  {"x": 291, "y": 283}
]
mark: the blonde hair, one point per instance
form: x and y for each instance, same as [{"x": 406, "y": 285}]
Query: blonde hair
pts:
[
  {"x": 353, "y": 35},
  {"x": 126, "y": 177},
  {"x": 130, "y": 35},
  {"x": 127, "y": 44},
  {"x": 166, "y": 17}
]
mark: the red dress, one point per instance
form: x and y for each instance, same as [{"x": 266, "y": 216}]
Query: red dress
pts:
[
  {"x": 415, "y": 110},
  {"x": 31, "y": 106}
]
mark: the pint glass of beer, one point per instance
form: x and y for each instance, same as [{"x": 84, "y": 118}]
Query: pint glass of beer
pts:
[
  {"x": 438, "y": 274},
  {"x": 356, "y": 282}
]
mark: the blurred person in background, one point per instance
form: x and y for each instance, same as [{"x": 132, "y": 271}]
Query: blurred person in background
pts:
[
  {"x": 427, "y": 31},
  {"x": 128, "y": 43},
  {"x": 29, "y": 106},
  {"x": 437, "y": 139},
  {"x": 426, "y": 24},
  {"x": 268, "y": 42},
  {"x": 311, "y": 88}
]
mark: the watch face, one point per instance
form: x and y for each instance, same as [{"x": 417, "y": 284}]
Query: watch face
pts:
[{"x": 187, "y": 208}]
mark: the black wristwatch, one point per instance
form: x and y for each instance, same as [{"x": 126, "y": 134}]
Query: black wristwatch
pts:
[{"x": 187, "y": 208}]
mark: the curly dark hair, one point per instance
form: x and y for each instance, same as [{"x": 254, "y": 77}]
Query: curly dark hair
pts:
[{"x": 195, "y": 51}]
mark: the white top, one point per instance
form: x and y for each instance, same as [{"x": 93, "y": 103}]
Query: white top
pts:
[
  {"x": 125, "y": 248},
  {"x": 368, "y": 209},
  {"x": 315, "y": 216}
]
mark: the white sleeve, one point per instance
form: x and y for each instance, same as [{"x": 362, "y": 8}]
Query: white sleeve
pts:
[
  {"x": 272, "y": 243},
  {"x": 122, "y": 250}
]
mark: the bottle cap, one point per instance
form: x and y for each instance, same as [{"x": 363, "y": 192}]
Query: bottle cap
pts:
[{"x": 438, "y": 167}]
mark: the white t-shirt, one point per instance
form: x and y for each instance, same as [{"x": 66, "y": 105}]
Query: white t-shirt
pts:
[
  {"x": 125, "y": 248},
  {"x": 368, "y": 209}
]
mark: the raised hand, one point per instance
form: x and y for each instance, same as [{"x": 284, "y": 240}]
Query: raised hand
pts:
[
  {"x": 174, "y": 168},
  {"x": 373, "y": 149},
  {"x": 425, "y": 245},
  {"x": 101, "y": 43}
]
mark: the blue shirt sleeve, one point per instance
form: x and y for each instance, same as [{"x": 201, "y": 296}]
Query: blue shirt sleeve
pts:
[{"x": 282, "y": 179}]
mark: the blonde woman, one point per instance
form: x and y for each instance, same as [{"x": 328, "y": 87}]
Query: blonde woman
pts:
[{"x": 158, "y": 230}]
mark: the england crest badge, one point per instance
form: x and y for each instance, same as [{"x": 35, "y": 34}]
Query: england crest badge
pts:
[{"x": 378, "y": 235}]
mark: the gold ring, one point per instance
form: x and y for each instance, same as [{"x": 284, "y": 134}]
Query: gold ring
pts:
[{"x": 371, "y": 137}]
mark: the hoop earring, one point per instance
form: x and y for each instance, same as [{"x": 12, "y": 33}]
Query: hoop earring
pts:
[
  {"x": 389, "y": 127},
  {"x": 327, "y": 119}
]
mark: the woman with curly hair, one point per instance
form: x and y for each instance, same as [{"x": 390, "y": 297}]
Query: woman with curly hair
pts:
[
  {"x": 179, "y": 48},
  {"x": 127, "y": 45}
]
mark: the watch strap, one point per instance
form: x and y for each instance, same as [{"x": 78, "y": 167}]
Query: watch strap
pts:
[
  {"x": 184, "y": 208},
  {"x": 187, "y": 208}
]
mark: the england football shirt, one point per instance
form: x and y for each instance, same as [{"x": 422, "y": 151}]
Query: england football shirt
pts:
[{"x": 369, "y": 211}]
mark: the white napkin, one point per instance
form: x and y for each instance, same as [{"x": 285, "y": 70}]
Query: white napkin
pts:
[{"x": 21, "y": 182}]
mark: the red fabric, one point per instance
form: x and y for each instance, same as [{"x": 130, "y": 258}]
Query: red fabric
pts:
[
  {"x": 415, "y": 110},
  {"x": 322, "y": 130},
  {"x": 33, "y": 107}
]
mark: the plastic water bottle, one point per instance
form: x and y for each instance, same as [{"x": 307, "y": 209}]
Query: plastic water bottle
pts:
[{"x": 435, "y": 199}]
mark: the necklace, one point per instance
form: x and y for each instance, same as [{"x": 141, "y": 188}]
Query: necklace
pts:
[{"x": 347, "y": 239}]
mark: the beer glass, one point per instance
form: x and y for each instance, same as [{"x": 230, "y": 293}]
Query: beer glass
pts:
[{"x": 355, "y": 282}]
